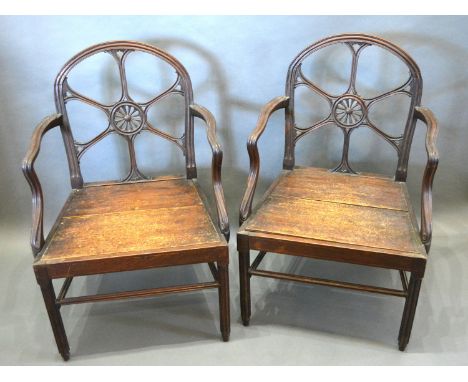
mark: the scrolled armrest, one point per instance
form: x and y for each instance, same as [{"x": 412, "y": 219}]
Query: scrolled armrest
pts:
[
  {"x": 37, "y": 233},
  {"x": 246, "y": 204},
  {"x": 207, "y": 117},
  {"x": 426, "y": 116}
]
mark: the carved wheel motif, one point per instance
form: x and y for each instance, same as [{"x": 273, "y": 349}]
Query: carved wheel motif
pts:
[
  {"x": 348, "y": 111},
  {"x": 127, "y": 118}
]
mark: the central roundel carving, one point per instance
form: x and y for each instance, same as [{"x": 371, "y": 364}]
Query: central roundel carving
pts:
[
  {"x": 127, "y": 118},
  {"x": 348, "y": 111}
]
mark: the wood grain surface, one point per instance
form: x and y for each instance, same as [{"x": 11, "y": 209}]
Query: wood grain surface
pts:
[
  {"x": 363, "y": 190},
  {"x": 317, "y": 204},
  {"x": 132, "y": 218}
]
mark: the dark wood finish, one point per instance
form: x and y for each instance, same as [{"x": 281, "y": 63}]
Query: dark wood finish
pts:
[
  {"x": 404, "y": 280},
  {"x": 48, "y": 293},
  {"x": 409, "y": 312},
  {"x": 268, "y": 109},
  {"x": 244, "y": 262},
  {"x": 332, "y": 283},
  {"x": 120, "y": 50},
  {"x": 134, "y": 223},
  {"x": 323, "y": 250},
  {"x": 429, "y": 119},
  {"x": 136, "y": 294},
  {"x": 224, "y": 311},
  {"x": 339, "y": 116},
  {"x": 257, "y": 261},
  {"x": 337, "y": 214},
  {"x": 37, "y": 229},
  {"x": 65, "y": 286},
  {"x": 207, "y": 117},
  {"x": 213, "y": 270}
]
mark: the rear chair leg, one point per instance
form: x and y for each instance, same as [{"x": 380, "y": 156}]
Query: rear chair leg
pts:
[
  {"x": 224, "y": 314},
  {"x": 244, "y": 263},
  {"x": 53, "y": 311},
  {"x": 409, "y": 311}
]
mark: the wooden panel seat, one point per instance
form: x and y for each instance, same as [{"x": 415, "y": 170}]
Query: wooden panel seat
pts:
[
  {"x": 364, "y": 211},
  {"x": 161, "y": 216}
]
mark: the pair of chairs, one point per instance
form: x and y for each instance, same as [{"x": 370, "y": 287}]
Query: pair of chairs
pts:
[{"x": 141, "y": 223}]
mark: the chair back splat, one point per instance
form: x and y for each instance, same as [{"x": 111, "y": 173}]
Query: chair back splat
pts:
[
  {"x": 126, "y": 117},
  {"x": 350, "y": 110}
]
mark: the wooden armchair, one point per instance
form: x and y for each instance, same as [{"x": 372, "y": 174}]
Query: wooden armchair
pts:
[
  {"x": 338, "y": 214},
  {"x": 132, "y": 224}
]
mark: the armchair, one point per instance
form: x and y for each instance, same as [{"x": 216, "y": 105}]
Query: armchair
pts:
[
  {"x": 341, "y": 215},
  {"x": 134, "y": 223}
]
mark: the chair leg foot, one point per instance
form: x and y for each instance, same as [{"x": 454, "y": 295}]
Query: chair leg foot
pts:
[
  {"x": 402, "y": 346},
  {"x": 53, "y": 311},
  {"x": 224, "y": 311},
  {"x": 244, "y": 264},
  {"x": 409, "y": 312},
  {"x": 66, "y": 355}
]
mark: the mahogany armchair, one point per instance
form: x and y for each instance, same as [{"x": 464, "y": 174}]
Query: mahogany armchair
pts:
[
  {"x": 341, "y": 215},
  {"x": 135, "y": 223}
]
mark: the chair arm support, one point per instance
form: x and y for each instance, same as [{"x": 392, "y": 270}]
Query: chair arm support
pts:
[
  {"x": 426, "y": 116},
  {"x": 207, "y": 117},
  {"x": 246, "y": 204},
  {"x": 37, "y": 234}
]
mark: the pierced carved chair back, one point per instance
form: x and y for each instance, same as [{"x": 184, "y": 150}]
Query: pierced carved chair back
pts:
[
  {"x": 126, "y": 117},
  {"x": 350, "y": 110}
]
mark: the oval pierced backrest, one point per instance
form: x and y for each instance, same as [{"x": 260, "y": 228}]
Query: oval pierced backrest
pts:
[
  {"x": 126, "y": 117},
  {"x": 350, "y": 110}
]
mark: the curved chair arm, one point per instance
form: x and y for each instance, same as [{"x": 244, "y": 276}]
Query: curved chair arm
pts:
[
  {"x": 37, "y": 234},
  {"x": 426, "y": 116},
  {"x": 207, "y": 117},
  {"x": 246, "y": 204}
]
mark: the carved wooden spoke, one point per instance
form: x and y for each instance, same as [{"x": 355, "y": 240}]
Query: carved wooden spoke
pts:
[
  {"x": 173, "y": 89},
  {"x": 303, "y": 80},
  {"x": 178, "y": 141},
  {"x": 356, "y": 49},
  {"x": 71, "y": 95},
  {"x": 344, "y": 164},
  {"x": 395, "y": 142},
  {"x": 120, "y": 56},
  {"x": 134, "y": 173},
  {"x": 403, "y": 89},
  {"x": 300, "y": 132},
  {"x": 81, "y": 148}
]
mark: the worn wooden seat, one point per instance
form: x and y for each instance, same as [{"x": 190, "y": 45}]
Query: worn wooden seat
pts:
[
  {"x": 137, "y": 222},
  {"x": 110, "y": 225},
  {"x": 341, "y": 215},
  {"x": 369, "y": 214}
]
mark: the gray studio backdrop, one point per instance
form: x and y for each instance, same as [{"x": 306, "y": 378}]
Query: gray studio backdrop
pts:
[{"x": 237, "y": 64}]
